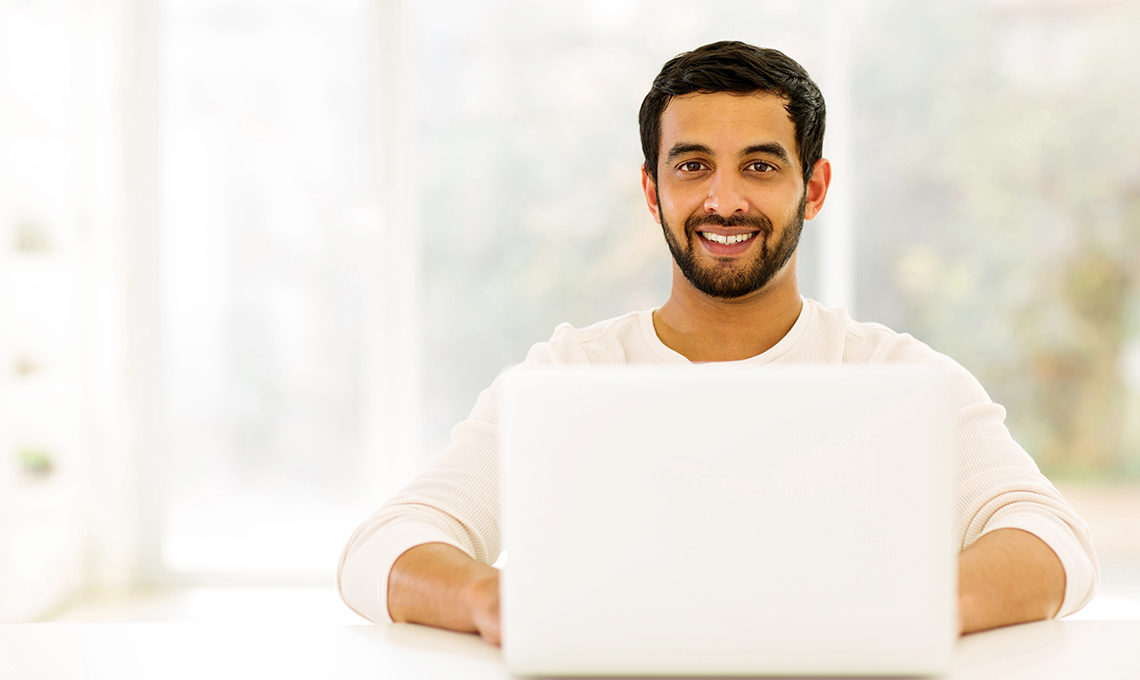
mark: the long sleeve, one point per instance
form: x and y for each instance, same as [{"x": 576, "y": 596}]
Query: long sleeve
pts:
[
  {"x": 999, "y": 486},
  {"x": 455, "y": 501}
]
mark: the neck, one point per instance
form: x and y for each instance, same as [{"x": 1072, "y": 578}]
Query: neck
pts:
[{"x": 704, "y": 328}]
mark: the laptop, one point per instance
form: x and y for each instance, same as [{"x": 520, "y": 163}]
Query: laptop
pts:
[{"x": 728, "y": 520}]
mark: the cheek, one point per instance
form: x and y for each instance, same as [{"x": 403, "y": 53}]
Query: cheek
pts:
[
  {"x": 673, "y": 202},
  {"x": 784, "y": 206}
]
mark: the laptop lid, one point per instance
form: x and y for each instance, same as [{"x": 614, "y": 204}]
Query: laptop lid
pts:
[{"x": 727, "y": 520}]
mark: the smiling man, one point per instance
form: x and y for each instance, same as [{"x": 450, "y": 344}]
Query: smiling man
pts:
[
  {"x": 731, "y": 198},
  {"x": 718, "y": 216},
  {"x": 732, "y": 136}
]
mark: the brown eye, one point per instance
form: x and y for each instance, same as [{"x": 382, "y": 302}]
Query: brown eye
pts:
[
  {"x": 761, "y": 166},
  {"x": 691, "y": 166}
]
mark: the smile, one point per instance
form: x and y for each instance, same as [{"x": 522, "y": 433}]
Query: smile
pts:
[{"x": 726, "y": 240}]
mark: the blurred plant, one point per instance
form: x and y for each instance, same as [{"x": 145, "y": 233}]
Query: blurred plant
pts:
[{"x": 35, "y": 462}]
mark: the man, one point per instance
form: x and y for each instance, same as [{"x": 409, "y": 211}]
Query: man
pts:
[{"x": 732, "y": 136}]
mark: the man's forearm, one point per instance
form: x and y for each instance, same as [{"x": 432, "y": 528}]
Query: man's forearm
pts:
[
  {"x": 1008, "y": 576},
  {"x": 439, "y": 585}
]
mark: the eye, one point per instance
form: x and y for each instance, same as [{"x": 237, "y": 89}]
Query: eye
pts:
[
  {"x": 761, "y": 166},
  {"x": 691, "y": 166}
]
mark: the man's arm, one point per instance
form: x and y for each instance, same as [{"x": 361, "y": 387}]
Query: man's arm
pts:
[
  {"x": 439, "y": 585},
  {"x": 1008, "y": 576}
]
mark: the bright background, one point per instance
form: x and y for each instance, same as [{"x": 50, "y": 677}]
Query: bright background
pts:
[{"x": 257, "y": 257}]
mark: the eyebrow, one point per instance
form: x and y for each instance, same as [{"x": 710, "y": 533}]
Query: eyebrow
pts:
[
  {"x": 680, "y": 149},
  {"x": 769, "y": 148}
]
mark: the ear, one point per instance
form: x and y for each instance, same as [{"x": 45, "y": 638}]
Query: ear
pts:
[
  {"x": 650, "y": 188},
  {"x": 816, "y": 190}
]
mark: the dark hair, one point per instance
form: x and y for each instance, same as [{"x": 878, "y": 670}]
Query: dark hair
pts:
[{"x": 733, "y": 66}]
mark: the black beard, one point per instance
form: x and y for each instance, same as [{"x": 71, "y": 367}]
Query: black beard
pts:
[{"x": 721, "y": 280}]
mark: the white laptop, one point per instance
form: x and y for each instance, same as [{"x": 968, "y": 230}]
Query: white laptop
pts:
[{"x": 728, "y": 520}]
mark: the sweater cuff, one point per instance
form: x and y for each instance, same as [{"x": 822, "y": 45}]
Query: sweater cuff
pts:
[{"x": 367, "y": 561}]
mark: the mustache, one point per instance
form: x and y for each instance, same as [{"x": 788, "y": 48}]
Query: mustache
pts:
[{"x": 757, "y": 222}]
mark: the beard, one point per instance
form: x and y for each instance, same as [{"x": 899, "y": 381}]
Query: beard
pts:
[{"x": 725, "y": 278}]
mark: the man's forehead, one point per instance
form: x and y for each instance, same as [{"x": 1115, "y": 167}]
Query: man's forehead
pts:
[{"x": 723, "y": 119}]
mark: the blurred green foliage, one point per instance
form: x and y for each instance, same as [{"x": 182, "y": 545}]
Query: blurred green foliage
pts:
[
  {"x": 35, "y": 461},
  {"x": 998, "y": 208}
]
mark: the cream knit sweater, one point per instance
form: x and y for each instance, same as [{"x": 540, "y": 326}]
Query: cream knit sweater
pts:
[{"x": 456, "y": 501}]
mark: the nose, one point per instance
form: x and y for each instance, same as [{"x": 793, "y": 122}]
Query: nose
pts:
[{"x": 726, "y": 194}]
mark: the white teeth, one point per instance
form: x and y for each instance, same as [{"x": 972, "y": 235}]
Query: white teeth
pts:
[{"x": 727, "y": 240}]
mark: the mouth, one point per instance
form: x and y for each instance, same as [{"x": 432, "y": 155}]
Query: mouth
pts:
[
  {"x": 726, "y": 245},
  {"x": 725, "y": 239}
]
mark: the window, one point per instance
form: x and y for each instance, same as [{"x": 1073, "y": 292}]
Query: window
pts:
[{"x": 271, "y": 237}]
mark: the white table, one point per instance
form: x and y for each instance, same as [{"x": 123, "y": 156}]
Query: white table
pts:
[{"x": 1094, "y": 650}]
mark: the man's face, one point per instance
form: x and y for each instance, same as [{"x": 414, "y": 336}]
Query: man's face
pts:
[{"x": 729, "y": 193}]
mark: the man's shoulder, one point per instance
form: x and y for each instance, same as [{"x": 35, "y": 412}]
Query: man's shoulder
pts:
[
  {"x": 870, "y": 341},
  {"x": 863, "y": 342},
  {"x": 617, "y": 327},
  {"x": 615, "y": 340}
]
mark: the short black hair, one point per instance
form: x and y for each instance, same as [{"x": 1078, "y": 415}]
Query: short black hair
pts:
[{"x": 739, "y": 68}]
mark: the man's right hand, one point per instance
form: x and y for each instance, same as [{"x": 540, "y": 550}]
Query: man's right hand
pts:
[
  {"x": 440, "y": 585},
  {"x": 484, "y": 604}
]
